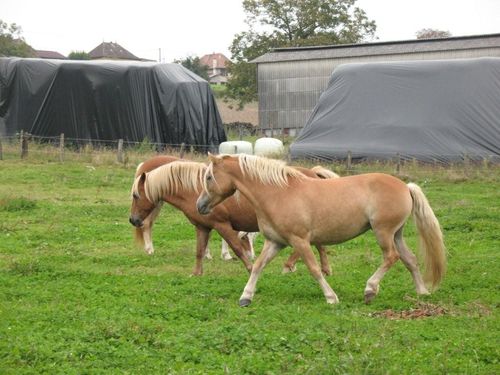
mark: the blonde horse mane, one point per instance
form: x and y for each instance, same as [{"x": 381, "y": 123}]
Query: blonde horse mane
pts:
[
  {"x": 267, "y": 171},
  {"x": 171, "y": 178}
]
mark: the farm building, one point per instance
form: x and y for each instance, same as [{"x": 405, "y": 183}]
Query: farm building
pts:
[
  {"x": 433, "y": 110},
  {"x": 291, "y": 80},
  {"x": 108, "y": 100}
]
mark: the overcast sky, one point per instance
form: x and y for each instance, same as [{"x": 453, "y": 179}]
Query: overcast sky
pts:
[{"x": 197, "y": 27}]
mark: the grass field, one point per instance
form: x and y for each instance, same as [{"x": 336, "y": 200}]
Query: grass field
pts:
[{"x": 77, "y": 297}]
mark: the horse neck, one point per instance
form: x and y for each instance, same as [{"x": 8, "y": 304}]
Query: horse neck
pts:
[{"x": 253, "y": 190}]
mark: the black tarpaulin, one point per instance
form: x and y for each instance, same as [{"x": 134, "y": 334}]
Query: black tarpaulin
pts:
[
  {"x": 108, "y": 100},
  {"x": 429, "y": 110}
]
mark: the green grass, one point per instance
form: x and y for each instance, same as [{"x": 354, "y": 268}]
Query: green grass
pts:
[{"x": 76, "y": 296}]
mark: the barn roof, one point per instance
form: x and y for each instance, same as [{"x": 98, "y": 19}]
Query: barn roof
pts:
[{"x": 380, "y": 48}]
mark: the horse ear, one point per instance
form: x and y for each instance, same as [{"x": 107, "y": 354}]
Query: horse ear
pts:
[
  {"x": 143, "y": 178},
  {"x": 214, "y": 158}
]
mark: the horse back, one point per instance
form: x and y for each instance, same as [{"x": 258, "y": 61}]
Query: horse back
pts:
[{"x": 153, "y": 163}]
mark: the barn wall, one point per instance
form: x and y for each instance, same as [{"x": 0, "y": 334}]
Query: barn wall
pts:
[{"x": 289, "y": 90}]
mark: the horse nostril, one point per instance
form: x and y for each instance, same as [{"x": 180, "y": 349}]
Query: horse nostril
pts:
[{"x": 135, "y": 222}]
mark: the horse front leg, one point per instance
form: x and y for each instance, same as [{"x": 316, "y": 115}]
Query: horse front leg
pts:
[
  {"x": 202, "y": 236},
  {"x": 269, "y": 251},
  {"x": 147, "y": 228},
  {"x": 304, "y": 248},
  {"x": 235, "y": 242}
]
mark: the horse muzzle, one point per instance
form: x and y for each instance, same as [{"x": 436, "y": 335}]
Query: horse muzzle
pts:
[
  {"x": 135, "y": 221},
  {"x": 202, "y": 205}
]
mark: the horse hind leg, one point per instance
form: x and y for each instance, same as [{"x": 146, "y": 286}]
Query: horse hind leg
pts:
[
  {"x": 250, "y": 236},
  {"x": 385, "y": 240},
  {"x": 323, "y": 258},
  {"x": 410, "y": 261},
  {"x": 224, "y": 254},
  {"x": 289, "y": 265}
]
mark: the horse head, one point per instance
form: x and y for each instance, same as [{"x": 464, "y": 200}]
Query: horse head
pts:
[
  {"x": 217, "y": 183},
  {"x": 141, "y": 205}
]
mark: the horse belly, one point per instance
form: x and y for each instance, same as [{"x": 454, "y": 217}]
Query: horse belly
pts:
[
  {"x": 271, "y": 234},
  {"x": 333, "y": 231}
]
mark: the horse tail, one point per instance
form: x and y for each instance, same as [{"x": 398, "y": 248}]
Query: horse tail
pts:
[
  {"x": 431, "y": 243},
  {"x": 324, "y": 173}
]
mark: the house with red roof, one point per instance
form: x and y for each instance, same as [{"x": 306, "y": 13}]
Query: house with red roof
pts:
[
  {"x": 216, "y": 64},
  {"x": 112, "y": 51},
  {"x": 42, "y": 54}
]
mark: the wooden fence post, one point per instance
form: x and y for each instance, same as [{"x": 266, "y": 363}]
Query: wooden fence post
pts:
[
  {"x": 349, "y": 159},
  {"x": 119, "y": 155},
  {"x": 1, "y": 150},
  {"x": 61, "y": 148},
  {"x": 183, "y": 146},
  {"x": 398, "y": 163},
  {"x": 24, "y": 144}
]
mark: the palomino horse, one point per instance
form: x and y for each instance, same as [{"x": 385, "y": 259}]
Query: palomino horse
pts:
[
  {"x": 295, "y": 210},
  {"x": 143, "y": 234},
  {"x": 179, "y": 183}
]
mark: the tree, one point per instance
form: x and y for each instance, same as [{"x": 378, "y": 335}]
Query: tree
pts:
[
  {"x": 432, "y": 33},
  {"x": 290, "y": 23},
  {"x": 12, "y": 43},
  {"x": 78, "y": 55},
  {"x": 193, "y": 64}
]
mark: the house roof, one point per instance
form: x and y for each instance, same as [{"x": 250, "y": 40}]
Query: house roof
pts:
[
  {"x": 49, "y": 55},
  {"x": 220, "y": 60},
  {"x": 380, "y": 48},
  {"x": 110, "y": 50}
]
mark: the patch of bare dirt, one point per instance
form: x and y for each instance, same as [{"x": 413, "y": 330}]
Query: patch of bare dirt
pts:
[{"x": 421, "y": 310}]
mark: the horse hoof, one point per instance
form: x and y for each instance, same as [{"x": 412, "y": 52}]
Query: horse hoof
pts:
[
  {"x": 245, "y": 302},
  {"x": 369, "y": 296},
  {"x": 287, "y": 269},
  {"x": 327, "y": 272}
]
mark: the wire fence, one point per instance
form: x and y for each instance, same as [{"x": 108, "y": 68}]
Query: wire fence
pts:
[{"x": 30, "y": 147}]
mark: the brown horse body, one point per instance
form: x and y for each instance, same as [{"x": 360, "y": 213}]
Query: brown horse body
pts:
[
  {"x": 229, "y": 218},
  {"x": 298, "y": 211}
]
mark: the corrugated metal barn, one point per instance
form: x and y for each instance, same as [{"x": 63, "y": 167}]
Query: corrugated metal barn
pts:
[{"x": 290, "y": 80}]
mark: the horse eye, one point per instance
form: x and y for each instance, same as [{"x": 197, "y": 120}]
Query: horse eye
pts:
[
  {"x": 135, "y": 195},
  {"x": 209, "y": 177}
]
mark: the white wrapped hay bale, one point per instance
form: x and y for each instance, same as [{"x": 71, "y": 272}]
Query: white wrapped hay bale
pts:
[
  {"x": 236, "y": 147},
  {"x": 268, "y": 147}
]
